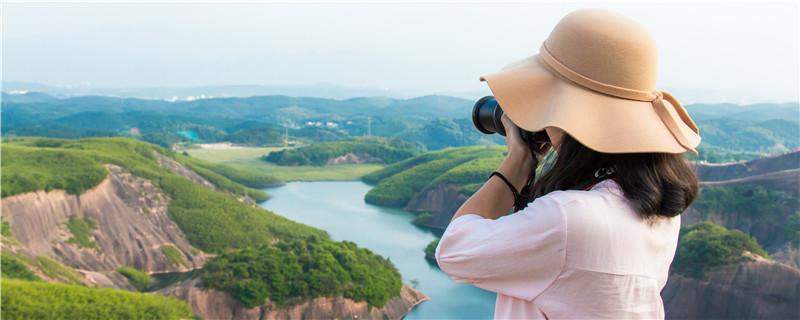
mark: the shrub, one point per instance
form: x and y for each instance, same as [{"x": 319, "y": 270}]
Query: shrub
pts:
[
  {"x": 5, "y": 229},
  {"x": 705, "y": 245},
  {"x": 81, "y": 229},
  {"x": 138, "y": 279},
  {"x": 430, "y": 251},
  {"x": 57, "y": 271},
  {"x": 13, "y": 267},
  {"x": 422, "y": 219},
  {"x": 174, "y": 256}
]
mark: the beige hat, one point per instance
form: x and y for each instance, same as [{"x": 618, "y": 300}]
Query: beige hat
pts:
[{"x": 594, "y": 77}]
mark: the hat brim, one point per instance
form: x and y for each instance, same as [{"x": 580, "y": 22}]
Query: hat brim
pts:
[{"x": 534, "y": 98}]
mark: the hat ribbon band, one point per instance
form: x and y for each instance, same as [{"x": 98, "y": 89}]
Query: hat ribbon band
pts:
[{"x": 656, "y": 97}]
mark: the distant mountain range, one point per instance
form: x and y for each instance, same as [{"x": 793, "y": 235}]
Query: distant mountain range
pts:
[
  {"x": 730, "y": 132},
  {"x": 319, "y": 90}
]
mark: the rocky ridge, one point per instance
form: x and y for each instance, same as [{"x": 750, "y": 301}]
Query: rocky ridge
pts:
[
  {"x": 131, "y": 220},
  {"x": 214, "y": 304}
]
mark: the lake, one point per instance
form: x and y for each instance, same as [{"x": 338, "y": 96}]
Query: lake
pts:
[{"x": 339, "y": 208}]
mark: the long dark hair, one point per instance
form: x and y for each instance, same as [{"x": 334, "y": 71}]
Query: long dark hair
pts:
[{"x": 656, "y": 184}]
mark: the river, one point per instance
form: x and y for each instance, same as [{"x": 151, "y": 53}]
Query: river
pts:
[{"x": 339, "y": 208}]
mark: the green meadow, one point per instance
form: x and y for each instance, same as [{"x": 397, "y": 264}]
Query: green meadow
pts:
[{"x": 249, "y": 159}]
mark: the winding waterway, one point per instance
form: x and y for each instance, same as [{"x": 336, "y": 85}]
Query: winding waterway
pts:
[{"x": 339, "y": 208}]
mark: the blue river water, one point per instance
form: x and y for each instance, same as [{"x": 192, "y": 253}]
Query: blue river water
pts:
[{"x": 339, "y": 208}]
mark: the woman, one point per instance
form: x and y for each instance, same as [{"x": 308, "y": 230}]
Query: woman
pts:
[{"x": 599, "y": 237}]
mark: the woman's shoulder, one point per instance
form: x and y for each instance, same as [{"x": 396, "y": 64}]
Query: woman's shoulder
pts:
[{"x": 603, "y": 194}]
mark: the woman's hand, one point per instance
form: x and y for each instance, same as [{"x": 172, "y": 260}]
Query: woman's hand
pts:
[
  {"x": 493, "y": 199},
  {"x": 520, "y": 160}
]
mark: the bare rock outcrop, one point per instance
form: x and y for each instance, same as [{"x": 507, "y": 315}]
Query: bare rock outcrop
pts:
[
  {"x": 352, "y": 158},
  {"x": 214, "y": 304},
  {"x": 181, "y": 170},
  {"x": 441, "y": 201},
  {"x": 131, "y": 220},
  {"x": 751, "y": 289}
]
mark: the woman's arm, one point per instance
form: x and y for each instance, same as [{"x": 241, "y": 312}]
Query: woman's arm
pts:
[{"x": 494, "y": 199}]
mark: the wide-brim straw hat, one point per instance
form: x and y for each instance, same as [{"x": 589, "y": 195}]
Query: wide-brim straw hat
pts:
[{"x": 594, "y": 78}]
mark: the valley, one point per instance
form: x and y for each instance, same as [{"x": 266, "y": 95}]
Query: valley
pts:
[
  {"x": 213, "y": 211},
  {"x": 137, "y": 206}
]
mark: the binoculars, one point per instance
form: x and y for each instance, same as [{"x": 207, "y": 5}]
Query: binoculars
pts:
[{"x": 487, "y": 115}]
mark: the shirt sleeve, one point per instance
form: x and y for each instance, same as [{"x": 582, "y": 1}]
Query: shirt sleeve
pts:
[{"x": 518, "y": 255}]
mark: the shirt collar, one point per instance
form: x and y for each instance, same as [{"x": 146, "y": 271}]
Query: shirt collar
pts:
[{"x": 609, "y": 185}]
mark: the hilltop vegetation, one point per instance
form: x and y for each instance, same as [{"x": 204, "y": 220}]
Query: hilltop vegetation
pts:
[
  {"x": 44, "y": 168},
  {"x": 303, "y": 269},
  {"x": 374, "y": 150},
  {"x": 705, "y": 245},
  {"x": 399, "y": 183},
  {"x": 40, "y": 300}
]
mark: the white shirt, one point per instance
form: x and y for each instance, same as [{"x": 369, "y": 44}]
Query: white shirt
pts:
[{"x": 568, "y": 255}]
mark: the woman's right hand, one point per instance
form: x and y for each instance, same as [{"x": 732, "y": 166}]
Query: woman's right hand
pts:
[
  {"x": 520, "y": 160},
  {"x": 518, "y": 147}
]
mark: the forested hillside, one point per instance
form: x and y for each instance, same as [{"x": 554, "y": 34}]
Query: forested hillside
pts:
[
  {"x": 399, "y": 183},
  {"x": 206, "y": 202},
  {"x": 363, "y": 150}
]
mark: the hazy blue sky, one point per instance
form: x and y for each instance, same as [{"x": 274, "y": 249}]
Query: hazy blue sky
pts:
[{"x": 712, "y": 51}]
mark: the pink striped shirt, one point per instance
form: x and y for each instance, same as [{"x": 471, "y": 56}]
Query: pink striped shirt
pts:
[{"x": 568, "y": 255}]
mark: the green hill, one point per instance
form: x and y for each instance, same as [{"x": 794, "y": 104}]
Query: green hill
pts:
[
  {"x": 215, "y": 222},
  {"x": 307, "y": 269},
  {"x": 374, "y": 150},
  {"x": 399, "y": 183},
  {"x": 40, "y": 300}
]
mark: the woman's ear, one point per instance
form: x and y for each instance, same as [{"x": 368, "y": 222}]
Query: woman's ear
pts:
[{"x": 555, "y": 134}]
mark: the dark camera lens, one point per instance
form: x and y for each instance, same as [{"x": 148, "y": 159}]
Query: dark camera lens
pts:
[{"x": 487, "y": 115}]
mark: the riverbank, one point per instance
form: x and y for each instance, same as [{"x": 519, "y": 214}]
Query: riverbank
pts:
[{"x": 339, "y": 208}]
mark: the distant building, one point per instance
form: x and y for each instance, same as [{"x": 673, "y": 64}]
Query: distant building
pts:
[{"x": 134, "y": 131}]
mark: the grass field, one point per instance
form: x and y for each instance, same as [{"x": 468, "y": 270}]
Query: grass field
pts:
[
  {"x": 250, "y": 159},
  {"x": 225, "y": 155}
]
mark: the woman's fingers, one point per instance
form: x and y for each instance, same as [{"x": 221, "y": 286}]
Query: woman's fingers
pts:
[{"x": 513, "y": 139}]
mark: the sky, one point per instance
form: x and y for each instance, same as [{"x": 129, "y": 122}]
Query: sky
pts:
[{"x": 742, "y": 52}]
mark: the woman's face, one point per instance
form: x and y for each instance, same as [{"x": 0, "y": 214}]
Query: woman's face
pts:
[{"x": 555, "y": 135}]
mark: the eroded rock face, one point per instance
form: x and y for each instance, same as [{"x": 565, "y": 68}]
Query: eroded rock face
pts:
[
  {"x": 132, "y": 225},
  {"x": 213, "y": 304},
  {"x": 751, "y": 289},
  {"x": 441, "y": 201}
]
